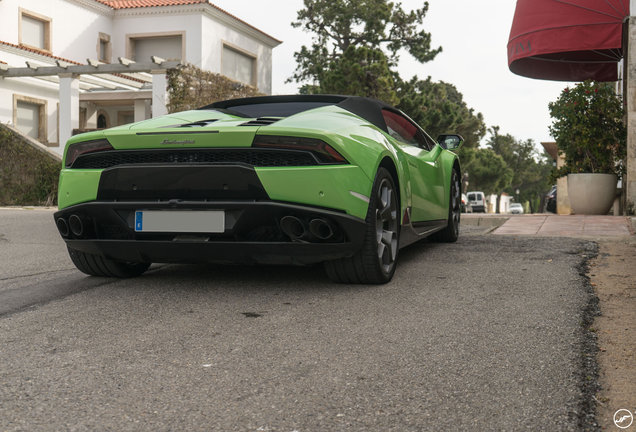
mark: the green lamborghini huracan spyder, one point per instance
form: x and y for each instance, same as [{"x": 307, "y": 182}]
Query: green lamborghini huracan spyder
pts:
[{"x": 343, "y": 180}]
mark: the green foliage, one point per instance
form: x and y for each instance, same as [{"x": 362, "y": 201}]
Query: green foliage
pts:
[
  {"x": 488, "y": 172},
  {"x": 439, "y": 108},
  {"x": 589, "y": 129},
  {"x": 531, "y": 170},
  {"x": 361, "y": 71},
  {"x": 190, "y": 87},
  {"x": 27, "y": 176},
  {"x": 338, "y": 25},
  {"x": 355, "y": 52}
]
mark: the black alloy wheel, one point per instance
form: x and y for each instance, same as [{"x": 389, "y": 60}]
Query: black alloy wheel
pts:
[
  {"x": 386, "y": 225},
  {"x": 450, "y": 234},
  {"x": 375, "y": 263}
]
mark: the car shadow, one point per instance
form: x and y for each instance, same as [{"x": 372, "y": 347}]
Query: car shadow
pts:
[
  {"x": 246, "y": 278},
  {"x": 278, "y": 277}
]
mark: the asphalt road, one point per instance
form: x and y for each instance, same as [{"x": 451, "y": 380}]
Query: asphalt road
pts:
[{"x": 483, "y": 334}]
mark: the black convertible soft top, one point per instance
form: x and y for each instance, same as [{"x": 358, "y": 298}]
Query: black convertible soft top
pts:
[{"x": 288, "y": 105}]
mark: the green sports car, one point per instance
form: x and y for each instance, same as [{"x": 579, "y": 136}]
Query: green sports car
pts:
[{"x": 343, "y": 180}]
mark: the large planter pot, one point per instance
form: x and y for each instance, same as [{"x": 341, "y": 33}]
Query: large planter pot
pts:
[{"x": 591, "y": 194}]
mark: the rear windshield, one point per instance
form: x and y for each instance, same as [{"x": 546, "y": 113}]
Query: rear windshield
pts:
[{"x": 275, "y": 109}]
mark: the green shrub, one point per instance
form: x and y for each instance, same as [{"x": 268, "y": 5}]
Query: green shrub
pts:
[
  {"x": 589, "y": 129},
  {"x": 190, "y": 88},
  {"x": 27, "y": 176}
]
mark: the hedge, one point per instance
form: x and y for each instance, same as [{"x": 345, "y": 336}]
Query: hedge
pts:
[
  {"x": 190, "y": 88},
  {"x": 27, "y": 176}
]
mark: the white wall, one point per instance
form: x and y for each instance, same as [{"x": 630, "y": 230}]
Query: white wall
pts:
[
  {"x": 9, "y": 19},
  {"x": 74, "y": 29},
  {"x": 74, "y": 36},
  {"x": 157, "y": 21},
  {"x": 504, "y": 203},
  {"x": 34, "y": 89},
  {"x": 218, "y": 33},
  {"x": 204, "y": 37},
  {"x": 30, "y": 87}
]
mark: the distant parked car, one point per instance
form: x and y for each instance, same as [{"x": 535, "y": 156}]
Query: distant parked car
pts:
[
  {"x": 551, "y": 200},
  {"x": 477, "y": 201},
  {"x": 516, "y": 208},
  {"x": 466, "y": 207}
]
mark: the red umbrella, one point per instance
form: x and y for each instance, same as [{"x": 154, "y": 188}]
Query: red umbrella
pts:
[{"x": 567, "y": 40}]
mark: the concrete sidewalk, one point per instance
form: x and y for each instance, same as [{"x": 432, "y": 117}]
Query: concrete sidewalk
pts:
[{"x": 549, "y": 225}]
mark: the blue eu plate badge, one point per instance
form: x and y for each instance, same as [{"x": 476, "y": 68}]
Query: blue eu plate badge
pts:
[{"x": 139, "y": 221}]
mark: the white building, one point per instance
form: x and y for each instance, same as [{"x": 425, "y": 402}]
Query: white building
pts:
[{"x": 56, "y": 36}]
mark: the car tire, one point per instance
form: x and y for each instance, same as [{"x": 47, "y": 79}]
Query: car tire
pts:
[
  {"x": 450, "y": 234},
  {"x": 375, "y": 263},
  {"x": 96, "y": 265}
]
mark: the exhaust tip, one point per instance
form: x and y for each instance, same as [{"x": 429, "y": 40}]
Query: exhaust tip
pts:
[
  {"x": 292, "y": 227},
  {"x": 62, "y": 226},
  {"x": 76, "y": 225},
  {"x": 321, "y": 229}
]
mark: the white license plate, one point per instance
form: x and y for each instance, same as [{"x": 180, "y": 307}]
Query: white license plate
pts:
[{"x": 187, "y": 221}]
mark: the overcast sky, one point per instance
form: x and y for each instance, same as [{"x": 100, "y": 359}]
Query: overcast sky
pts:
[{"x": 473, "y": 35}]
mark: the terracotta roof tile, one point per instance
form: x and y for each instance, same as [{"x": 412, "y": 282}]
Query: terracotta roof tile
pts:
[
  {"x": 38, "y": 51},
  {"x": 132, "y": 4}
]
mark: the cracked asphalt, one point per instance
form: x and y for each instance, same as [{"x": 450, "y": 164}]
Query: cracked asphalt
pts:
[{"x": 484, "y": 334}]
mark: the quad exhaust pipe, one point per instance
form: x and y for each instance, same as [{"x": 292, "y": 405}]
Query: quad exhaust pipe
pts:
[
  {"x": 74, "y": 225},
  {"x": 298, "y": 230},
  {"x": 62, "y": 226},
  {"x": 321, "y": 229},
  {"x": 293, "y": 227}
]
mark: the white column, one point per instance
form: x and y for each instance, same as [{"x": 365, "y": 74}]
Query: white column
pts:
[
  {"x": 159, "y": 93},
  {"x": 629, "y": 182},
  {"x": 91, "y": 115},
  {"x": 140, "y": 110},
  {"x": 69, "y": 107}
]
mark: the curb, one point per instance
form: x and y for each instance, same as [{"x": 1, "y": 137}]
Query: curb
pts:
[{"x": 493, "y": 221}]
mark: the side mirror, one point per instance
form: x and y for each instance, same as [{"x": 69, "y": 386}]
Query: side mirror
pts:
[{"x": 450, "y": 142}]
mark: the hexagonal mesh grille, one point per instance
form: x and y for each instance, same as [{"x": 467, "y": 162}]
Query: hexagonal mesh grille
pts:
[{"x": 246, "y": 156}]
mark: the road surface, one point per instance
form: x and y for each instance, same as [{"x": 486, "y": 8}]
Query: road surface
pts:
[{"x": 483, "y": 334}]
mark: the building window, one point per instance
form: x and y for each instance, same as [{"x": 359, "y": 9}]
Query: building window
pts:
[
  {"x": 238, "y": 65},
  {"x": 167, "y": 46},
  {"x": 34, "y": 30},
  {"x": 29, "y": 117},
  {"x": 104, "y": 49},
  {"x": 102, "y": 120}
]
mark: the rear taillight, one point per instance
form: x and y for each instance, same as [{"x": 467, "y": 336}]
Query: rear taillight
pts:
[
  {"x": 77, "y": 149},
  {"x": 323, "y": 151}
]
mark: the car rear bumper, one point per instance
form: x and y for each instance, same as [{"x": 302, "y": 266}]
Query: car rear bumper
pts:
[{"x": 252, "y": 234}]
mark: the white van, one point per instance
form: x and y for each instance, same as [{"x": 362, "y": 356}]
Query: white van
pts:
[{"x": 477, "y": 201}]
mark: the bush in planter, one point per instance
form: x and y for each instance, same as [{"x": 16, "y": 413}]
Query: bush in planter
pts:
[{"x": 589, "y": 129}]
